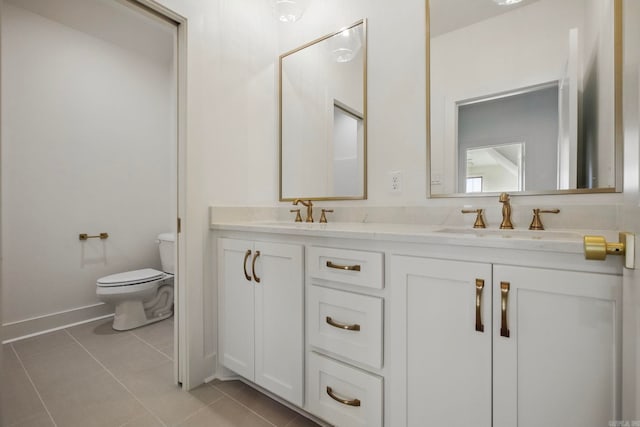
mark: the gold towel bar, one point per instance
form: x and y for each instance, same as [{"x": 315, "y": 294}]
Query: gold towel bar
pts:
[{"x": 101, "y": 236}]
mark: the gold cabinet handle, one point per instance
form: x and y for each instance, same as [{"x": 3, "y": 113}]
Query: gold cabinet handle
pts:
[
  {"x": 244, "y": 265},
  {"x": 343, "y": 267},
  {"x": 348, "y": 402},
  {"x": 354, "y": 327},
  {"x": 504, "y": 301},
  {"x": 479, "y": 289},
  {"x": 253, "y": 267}
]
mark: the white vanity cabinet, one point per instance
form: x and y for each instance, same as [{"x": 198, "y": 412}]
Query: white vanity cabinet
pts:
[
  {"x": 261, "y": 286},
  {"x": 503, "y": 346},
  {"x": 345, "y": 324}
]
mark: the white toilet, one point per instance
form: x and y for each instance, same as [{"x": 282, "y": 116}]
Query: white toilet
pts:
[{"x": 141, "y": 296}]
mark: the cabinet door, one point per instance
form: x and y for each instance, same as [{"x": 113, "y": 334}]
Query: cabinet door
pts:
[
  {"x": 236, "y": 305},
  {"x": 560, "y": 364},
  {"x": 279, "y": 322},
  {"x": 434, "y": 333}
]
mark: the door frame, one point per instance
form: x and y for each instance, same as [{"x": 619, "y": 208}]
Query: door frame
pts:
[{"x": 181, "y": 336}]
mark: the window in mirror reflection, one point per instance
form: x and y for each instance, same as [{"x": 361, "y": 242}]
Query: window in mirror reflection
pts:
[
  {"x": 529, "y": 115},
  {"x": 498, "y": 168},
  {"x": 539, "y": 72}
]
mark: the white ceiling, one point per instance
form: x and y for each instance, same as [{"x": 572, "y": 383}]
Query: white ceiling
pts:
[{"x": 449, "y": 15}]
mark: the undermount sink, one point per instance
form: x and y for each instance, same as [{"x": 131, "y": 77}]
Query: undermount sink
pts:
[{"x": 514, "y": 234}]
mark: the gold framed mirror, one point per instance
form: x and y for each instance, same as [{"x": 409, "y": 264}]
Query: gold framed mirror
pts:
[
  {"x": 323, "y": 117},
  {"x": 524, "y": 97}
]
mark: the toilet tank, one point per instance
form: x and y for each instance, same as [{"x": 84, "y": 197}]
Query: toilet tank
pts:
[{"x": 165, "y": 246}]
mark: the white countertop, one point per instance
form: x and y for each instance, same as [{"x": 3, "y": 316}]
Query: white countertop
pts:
[{"x": 566, "y": 241}]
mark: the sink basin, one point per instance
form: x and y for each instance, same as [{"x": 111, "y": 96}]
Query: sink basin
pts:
[{"x": 514, "y": 234}]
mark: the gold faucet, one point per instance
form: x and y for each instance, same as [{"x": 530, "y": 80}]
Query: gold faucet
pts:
[
  {"x": 323, "y": 216},
  {"x": 506, "y": 212},
  {"x": 297, "y": 212},
  {"x": 309, "y": 207},
  {"x": 536, "y": 223},
  {"x": 479, "y": 219}
]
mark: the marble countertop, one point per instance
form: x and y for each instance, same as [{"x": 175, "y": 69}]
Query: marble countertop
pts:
[{"x": 565, "y": 241}]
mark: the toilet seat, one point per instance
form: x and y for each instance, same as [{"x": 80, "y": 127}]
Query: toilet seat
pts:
[{"x": 129, "y": 278}]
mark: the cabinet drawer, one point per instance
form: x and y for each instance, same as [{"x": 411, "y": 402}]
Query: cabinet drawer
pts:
[
  {"x": 357, "y": 396},
  {"x": 346, "y": 324},
  {"x": 347, "y": 266}
]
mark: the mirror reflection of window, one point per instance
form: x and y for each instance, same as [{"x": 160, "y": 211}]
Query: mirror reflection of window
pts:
[
  {"x": 495, "y": 168},
  {"x": 528, "y": 114},
  {"x": 474, "y": 184}
]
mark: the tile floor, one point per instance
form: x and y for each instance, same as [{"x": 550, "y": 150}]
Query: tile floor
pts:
[{"x": 93, "y": 376}]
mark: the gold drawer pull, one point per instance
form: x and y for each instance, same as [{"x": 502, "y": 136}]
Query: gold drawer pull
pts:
[
  {"x": 343, "y": 267},
  {"x": 479, "y": 288},
  {"x": 246, "y": 257},
  {"x": 504, "y": 301},
  {"x": 348, "y": 402},
  {"x": 354, "y": 327},
  {"x": 253, "y": 267}
]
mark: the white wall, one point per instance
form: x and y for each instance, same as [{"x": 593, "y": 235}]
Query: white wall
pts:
[{"x": 88, "y": 141}]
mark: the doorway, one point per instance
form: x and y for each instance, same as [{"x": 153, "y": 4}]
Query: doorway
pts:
[{"x": 91, "y": 143}]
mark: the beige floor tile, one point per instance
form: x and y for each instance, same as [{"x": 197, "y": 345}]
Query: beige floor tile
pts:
[
  {"x": 20, "y": 401},
  {"x": 62, "y": 365},
  {"x": 42, "y": 343},
  {"x": 128, "y": 356},
  {"x": 301, "y": 421},
  {"x": 154, "y": 387},
  {"x": 146, "y": 420},
  {"x": 99, "y": 335},
  {"x": 37, "y": 420},
  {"x": 266, "y": 407},
  {"x": 225, "y": 413},
  {"x": 232, "y": 388},
  {"x": 98, "y": 401},
  {"x": 159, "y": 334},
  {"x": 167, "y": 350}
]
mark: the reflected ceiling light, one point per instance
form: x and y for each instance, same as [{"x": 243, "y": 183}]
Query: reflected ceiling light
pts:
[
  {"x": 506, "y": 2},
  {"x": 289, "y": 10},
  {"x": 346, "y": 44}
]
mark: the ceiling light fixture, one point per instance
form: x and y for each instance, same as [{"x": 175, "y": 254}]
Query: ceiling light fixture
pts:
[
  {"x": 345, "y": 45},
  {"x": 289, "y": 10}
]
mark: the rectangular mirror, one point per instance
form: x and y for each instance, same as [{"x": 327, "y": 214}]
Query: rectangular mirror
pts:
[
  {"x": 323, "y": 118},
  {"x": 525, "y": 96}
]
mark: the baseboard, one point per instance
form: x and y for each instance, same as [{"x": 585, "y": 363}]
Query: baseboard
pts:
[{"x": 21, "y": 329}]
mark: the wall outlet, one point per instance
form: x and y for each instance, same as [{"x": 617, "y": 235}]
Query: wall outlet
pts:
[{"x": 395, "y": 182}]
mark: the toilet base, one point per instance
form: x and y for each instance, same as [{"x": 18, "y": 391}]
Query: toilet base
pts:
[{"x": 131, "y": 315}]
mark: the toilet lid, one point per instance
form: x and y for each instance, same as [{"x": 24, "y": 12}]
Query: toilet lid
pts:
[{"x": 131, "y": 277}]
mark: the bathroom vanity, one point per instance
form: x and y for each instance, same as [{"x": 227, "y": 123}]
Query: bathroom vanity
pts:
[{"x": 413, "y": 325}]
